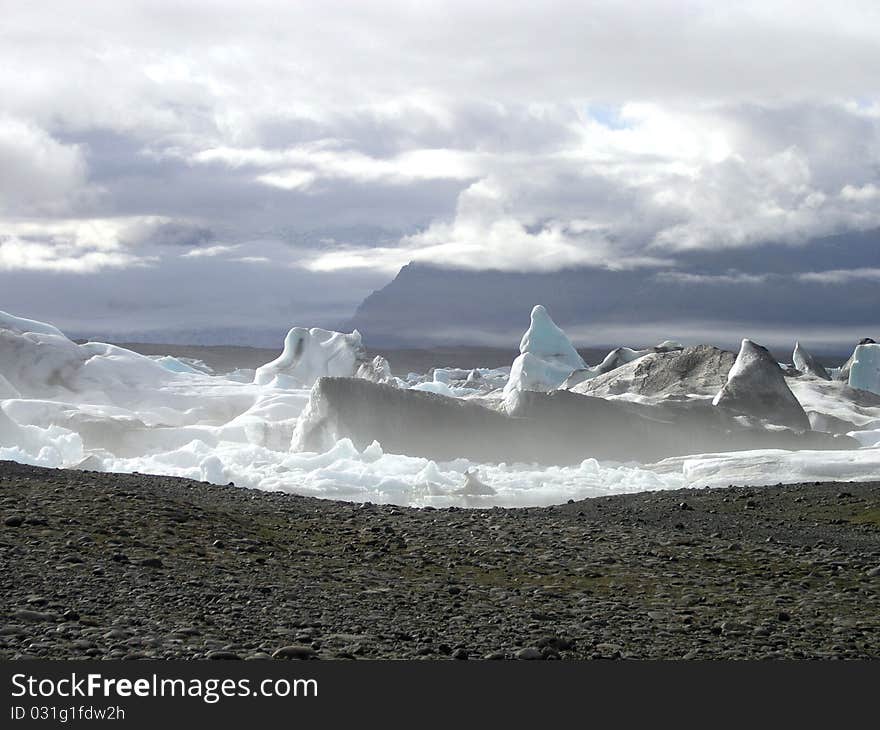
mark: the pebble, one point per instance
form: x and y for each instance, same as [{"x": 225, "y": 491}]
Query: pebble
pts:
[
  {"x": 732, "y": 628},
  {"x": 529, "y": 653},
  {"x": 294, "y": 652},
  {"x": 27, "y": 615}
]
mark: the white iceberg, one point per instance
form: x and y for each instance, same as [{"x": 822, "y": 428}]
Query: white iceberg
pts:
[
  {"x": 546, "y": 358},
  {"x": 864, "y": 372},
  {"x": 377, "y": 370},
  {"x": 310, "y": 354}
]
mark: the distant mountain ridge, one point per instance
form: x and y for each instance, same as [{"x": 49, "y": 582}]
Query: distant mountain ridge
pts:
[
  {"x": 772, "y": 293},
  {"x": 767, "y": 292}
]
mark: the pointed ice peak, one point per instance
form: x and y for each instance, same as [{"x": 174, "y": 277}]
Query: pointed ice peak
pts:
[
  {"x": 807, "y": 364},
  {"x": 546, "y": 357},
  {"x": 545, "y": 339},
  {"x": 756, "y": 387}
]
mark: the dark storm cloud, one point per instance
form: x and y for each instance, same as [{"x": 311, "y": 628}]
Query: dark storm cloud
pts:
[
  {"x": 175, "y": 233},
  {"x": 191, "y": 294}
]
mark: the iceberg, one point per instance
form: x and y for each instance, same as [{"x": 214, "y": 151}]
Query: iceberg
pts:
[
  {"x": 864, "y": 373},
  {"x": 434, "y": 386},
  {"x": 22, "y": 325},
  {"x": 756, "y": 387},
  {"x": 38, "y": 361},
  {"x": 474, "y": 487},
  {"x": 310, "y": 354},
  {"x": 694, "y": 371},
  {"x": 617, "y": 358},
  {"x": 554, "y": 428},
  {"x": 807, "y": 364},
  {"x": 763, "y": 467},
  {"x": 181, "y": 365},
  {"x": 546, "y": 357},
  {"x": 370, "y": 436},
  {"x": 377, "y": 370},
  {"x": 843, "y": 370}
]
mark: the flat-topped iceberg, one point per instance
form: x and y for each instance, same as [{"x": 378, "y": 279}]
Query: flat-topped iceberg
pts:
[
  {"x": 864, "y": 372},
  {"x": 843, "y": 371}
]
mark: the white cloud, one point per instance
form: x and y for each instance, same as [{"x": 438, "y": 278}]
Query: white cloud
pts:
[
  {"x": 288, "y": 179},
  {"x": 660, "y": 181},
  {"x": 37, "y": 173},
  {"x": 22, "y": 255},
  {"x": 524, "y": 136},
  {"x": 683, "y": 277},
  {"x": 149, "y": 62},
  {"x": 841, "y": 276},
  {"x": 299, "y": 168},
  {"x": 869, "y": 193},
  {"x": 211, "y": 251},
  {"x": 74, "y": 245}
]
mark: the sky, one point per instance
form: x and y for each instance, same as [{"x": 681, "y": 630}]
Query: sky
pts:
[{"x": 199, "y": 165}]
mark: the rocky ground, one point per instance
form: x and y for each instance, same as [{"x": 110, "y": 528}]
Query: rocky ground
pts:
[{"x": 126, "y": 566}]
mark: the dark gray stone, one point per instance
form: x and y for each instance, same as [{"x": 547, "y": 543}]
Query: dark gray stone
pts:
[
  {"x": 529, "y": 653},
  {"x": 294, "y": 652}
]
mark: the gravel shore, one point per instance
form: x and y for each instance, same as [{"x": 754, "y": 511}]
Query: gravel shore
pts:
[{"x": 133, "y": 566}]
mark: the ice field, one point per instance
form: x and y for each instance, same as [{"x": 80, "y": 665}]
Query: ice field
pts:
[{"x": 100, "y": 407}]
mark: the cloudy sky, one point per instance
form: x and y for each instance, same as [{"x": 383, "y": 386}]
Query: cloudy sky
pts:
[{"x": 176, "y": 165}]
